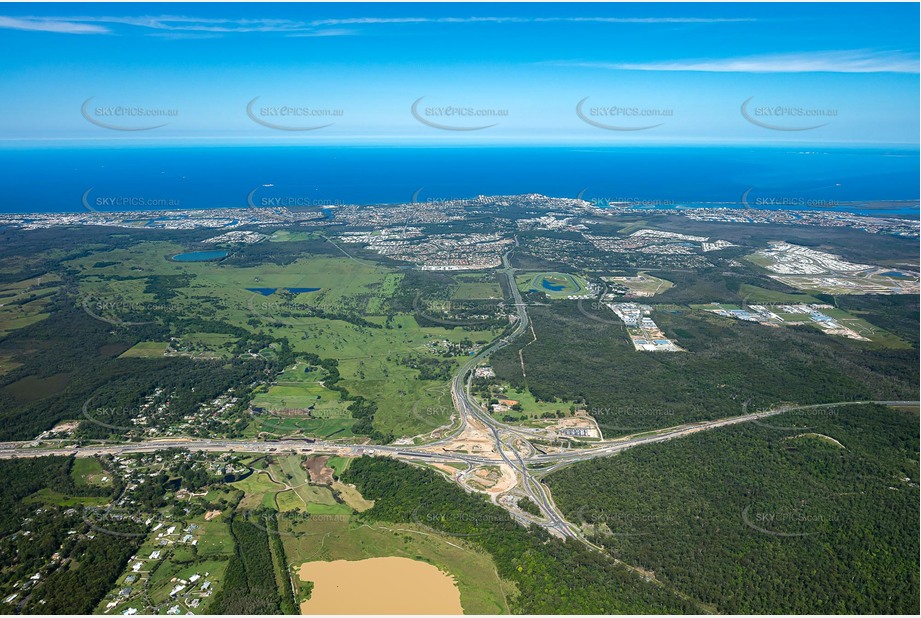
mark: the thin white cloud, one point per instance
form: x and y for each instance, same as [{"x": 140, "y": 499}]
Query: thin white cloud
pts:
[
  {"x": 322, "y": 33},
  {"x": 51, "y": 25},
  {"x": 91, "y": 25},
  {"x": 195, "y": 24},
  {"x": 94, "y": 25},
  {"x": 852, "y": 61},
  {"x": 526, "y": 20}
]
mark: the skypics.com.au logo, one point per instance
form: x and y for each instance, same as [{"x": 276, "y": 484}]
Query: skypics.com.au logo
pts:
[
  {"x": 102, "y": 204},
  {"x": 454, "y": 117},
  {"x": 785, "y": 117},
  {"x": 628, "y": 118},
  {"x": 126, "y": 117}
]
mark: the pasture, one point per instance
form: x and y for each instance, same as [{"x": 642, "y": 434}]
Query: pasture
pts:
[{"x": 141, "y": 284}]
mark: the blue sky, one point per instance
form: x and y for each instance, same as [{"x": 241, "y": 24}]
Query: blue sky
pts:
[{"x": 812, "y": 73}]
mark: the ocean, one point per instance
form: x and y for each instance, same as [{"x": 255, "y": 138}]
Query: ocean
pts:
[{"x": 55, "y": 179}]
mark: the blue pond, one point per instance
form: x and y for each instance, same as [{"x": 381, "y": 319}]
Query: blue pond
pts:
[
  {"x": 551, "y": 286},
  {"x": 270, "y": 291},
  {"x": 896, "y": 275},
  {"x": 200, "y": 256}
]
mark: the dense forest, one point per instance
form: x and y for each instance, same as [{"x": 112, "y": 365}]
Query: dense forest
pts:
[
  {"x": 729, "y": 367},
  {"x": 552, "y": 577},
  {"x": 249, "y": 582},
  {"x": 363, "y": 410},
  {"x": 767, "y": 518},
  {"x": 287, "y": 601},
  {"x": 73, "y": 359}
]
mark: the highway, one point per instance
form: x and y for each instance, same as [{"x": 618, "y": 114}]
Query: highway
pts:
[
  {"x": 473, "y": 418},
  {"x": 465, "y": 405},
  {"x": 528, "y": 480},
  {"x": 11, "y": 450},
  {"x": 468, "y": 408}
]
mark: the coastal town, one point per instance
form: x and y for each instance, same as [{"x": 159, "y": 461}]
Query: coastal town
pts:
[{"x": 560, "y": 214}]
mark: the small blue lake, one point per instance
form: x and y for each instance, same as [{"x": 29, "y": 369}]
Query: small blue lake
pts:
[
  {"x": 200, "y": 256},
  {"x": 552, "y": 286},
  {"x": 270, "y": 291},
  {"x": 896, "y": 275}
]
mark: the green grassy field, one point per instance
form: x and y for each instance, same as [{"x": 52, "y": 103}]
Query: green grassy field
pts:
[
  {"x": 339, "y": 464},
  {"x": 315, "y": 508},
  {"x": 642, "y": 284},
  {"x": 287, "y": 501},
  {"x": 146, "y": 349},
  {"x": 531, "y": 408},
  {"x": 214, "y": 538},
  {"x": 759, "y": 259},
  {"x": 754, "y": 295},
  {"x": 256, "y": 487},
  {"x": 711, "y": 306},
  {"x": 23, "y": 303},
  {"x": 291, "y": 469},
  {"x": 368, "y": 363},
  {"x": 88, "y": 472},
  {"x": 290, "y": 490},
  {"x": 298, "y": 388},
  {"x": 304, "y": 406},
  {"x": 352, "y": 497},
  {"x": 319, "y": 427},
  {"x": 476, "y": 287},
  {"x": 222, "y": 285},
  {"x": 49, "y": 496},
  {"x": 632, "y": 227},
  {"x": 289, "y": 236},
  {"x": 370, "y": 359}
]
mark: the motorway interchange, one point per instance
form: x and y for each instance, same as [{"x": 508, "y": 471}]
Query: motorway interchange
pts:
[{"x": 510, "y": 446}]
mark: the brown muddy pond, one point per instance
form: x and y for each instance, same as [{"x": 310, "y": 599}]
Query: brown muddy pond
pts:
[{"x": 379, "y": 586}]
